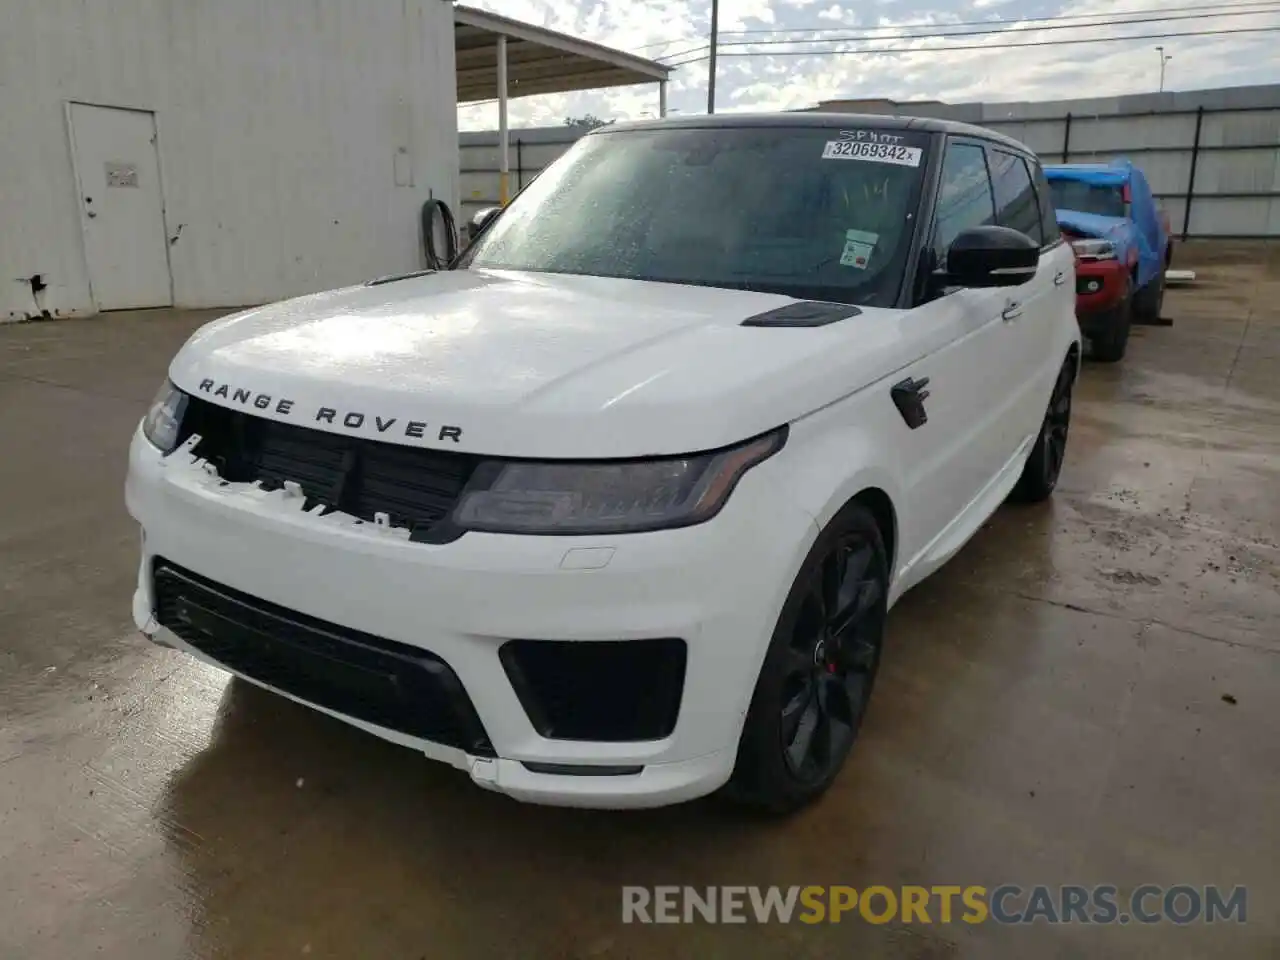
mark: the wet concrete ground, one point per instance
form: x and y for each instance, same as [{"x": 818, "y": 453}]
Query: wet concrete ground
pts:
[{"x": 1087, "y": 694}]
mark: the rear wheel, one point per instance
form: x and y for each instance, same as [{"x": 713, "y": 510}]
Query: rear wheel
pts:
[
  {"x": 819, "y": 671},
  {"x": 1044, "y": 465},
  {"x": 1112, "y": 340}
]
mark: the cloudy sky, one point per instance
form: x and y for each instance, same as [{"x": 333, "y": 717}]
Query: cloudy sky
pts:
[{"x": 657, "y": 28}]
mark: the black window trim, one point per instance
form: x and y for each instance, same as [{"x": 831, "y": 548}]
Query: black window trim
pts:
[
  {"x": 1016, "y": 155},
  {"x": 1035, "y": 192},
  {"x": 1034, "y": 166},
  {"x": 916, "y": 291},
  {"x": 915, "y": 278},
  {"x": 917, "y": 287},
  {"x": 982, "y": 145}
]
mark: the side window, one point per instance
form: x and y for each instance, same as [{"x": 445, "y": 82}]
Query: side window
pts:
[
  {"x": 1048, "y": 215},
  {"x": 1016, "y": 203},
  {"x": 964, "y": 196}
]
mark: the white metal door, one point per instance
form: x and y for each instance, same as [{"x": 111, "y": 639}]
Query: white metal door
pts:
[
  {"x": 121, "y": 208},
  {"x": 950, "y": 460},
  {"x": 1034, "y": 311}
]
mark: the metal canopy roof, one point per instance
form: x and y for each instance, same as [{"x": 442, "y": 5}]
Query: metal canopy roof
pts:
[{"x": 538, "y": 60}]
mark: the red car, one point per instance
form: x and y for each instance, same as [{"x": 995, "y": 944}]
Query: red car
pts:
[{"x": 1123, "y": 246}]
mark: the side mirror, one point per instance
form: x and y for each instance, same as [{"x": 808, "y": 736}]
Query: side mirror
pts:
[
  {"x": 991, "y": 257},
  {"x": 481, "y": 219}
]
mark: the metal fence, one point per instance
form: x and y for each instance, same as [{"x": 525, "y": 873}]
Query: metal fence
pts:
[
  {"x": 529, "y": 151},
  {"x": 1212, "y": 156}
]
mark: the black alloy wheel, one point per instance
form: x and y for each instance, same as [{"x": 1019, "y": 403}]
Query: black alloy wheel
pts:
[
  {"x": 832, "y": 660},
  {"x": 1044, "y": 464},
  {"x": 1057, "y": 421},
  {"x": 820, "y": 670}
]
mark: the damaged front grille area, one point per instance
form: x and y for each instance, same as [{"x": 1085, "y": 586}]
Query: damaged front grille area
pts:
[{"x": 376, "y": 482}]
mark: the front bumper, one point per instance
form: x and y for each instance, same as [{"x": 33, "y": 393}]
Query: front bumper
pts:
[
  {"x": 1100, "y": 287},
  {"x": 717, "y": 586}
]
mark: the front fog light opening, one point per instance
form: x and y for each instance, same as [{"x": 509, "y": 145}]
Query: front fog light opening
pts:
[{"x": 604, "y": 691}]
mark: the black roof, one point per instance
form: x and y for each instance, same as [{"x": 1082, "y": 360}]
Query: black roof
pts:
[{"x": 875, "y": 121}]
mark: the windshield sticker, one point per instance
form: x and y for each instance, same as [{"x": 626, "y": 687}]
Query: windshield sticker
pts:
[
  {"x": 856, "y": 255},
  {"x": 874, "y": 146},
  {"x": 872, "y": 152},
  {"x": 858, "y": 246}
]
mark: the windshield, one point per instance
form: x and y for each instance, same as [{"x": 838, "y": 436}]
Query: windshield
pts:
[
  {"x": 1106, "y": 200},
  {"x": 812, "y": 213}
]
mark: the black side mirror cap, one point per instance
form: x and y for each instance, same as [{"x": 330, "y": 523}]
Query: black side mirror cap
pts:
[{"x": 991, "y": 256}]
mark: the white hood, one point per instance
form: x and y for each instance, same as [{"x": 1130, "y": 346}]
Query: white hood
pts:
[{"x": 533, "y": 365}]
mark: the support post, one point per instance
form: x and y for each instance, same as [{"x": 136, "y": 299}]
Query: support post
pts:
[
  {"x": 504, "y": 160},
  {"x": 662, "y": 98},
  {"x": 1066, "y": 139},
  {"x": 711, "y": 69},
  {"x": 519, "y": 164},
  {"x": 1191, "y": 180}
]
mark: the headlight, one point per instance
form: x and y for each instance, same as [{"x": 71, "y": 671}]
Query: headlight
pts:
[
  {"x": 1092, "y": 249},
  {"x": 164, "y": 419},
  {"x": 607, "y": 497}
]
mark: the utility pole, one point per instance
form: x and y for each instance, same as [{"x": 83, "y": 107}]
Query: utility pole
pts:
[
  {"x": 1163, "y": 60},
  {"x": 715, "y": 36}
]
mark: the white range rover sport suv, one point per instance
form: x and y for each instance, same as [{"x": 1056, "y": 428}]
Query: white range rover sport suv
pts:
[{"x": 610, "y": 513}]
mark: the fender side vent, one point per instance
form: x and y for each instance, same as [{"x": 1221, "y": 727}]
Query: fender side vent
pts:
[{"x": 807, "y": 313}]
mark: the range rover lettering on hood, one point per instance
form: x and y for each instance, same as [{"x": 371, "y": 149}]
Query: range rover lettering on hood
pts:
[{"x": 350, "y": 419}]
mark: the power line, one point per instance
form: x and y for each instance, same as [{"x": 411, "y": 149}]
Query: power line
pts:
[
  {"x": 668, "y": 42},
  {"x": 683, "y": 53},
  {"x": 995, "y": 26},
  {"x": 978, "y": 46},
  {"x": 976, "y": 33},
  {"x": 1206, "y": 9}
]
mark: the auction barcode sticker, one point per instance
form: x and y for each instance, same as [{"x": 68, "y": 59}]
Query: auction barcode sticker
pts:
[{"x": 874, "y": 152}]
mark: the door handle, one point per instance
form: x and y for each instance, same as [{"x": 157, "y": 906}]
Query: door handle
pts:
[
  {"x": 1012, "y": 310},
  {"x": 1059, "y": 278}
]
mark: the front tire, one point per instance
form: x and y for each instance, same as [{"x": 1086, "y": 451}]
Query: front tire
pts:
[
  {"x": 1110, "y": 344},
  {"x": 1148, "y": 302},
  {"x": 819, "y": 670},
  {"x": 1044, "y": 464}
]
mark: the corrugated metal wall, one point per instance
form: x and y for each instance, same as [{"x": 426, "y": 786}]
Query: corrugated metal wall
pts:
[
  {"x": 1229, "y": 139},
  {"x": 1236, "y": 159},
  {"x": 278, "y": 123}
]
